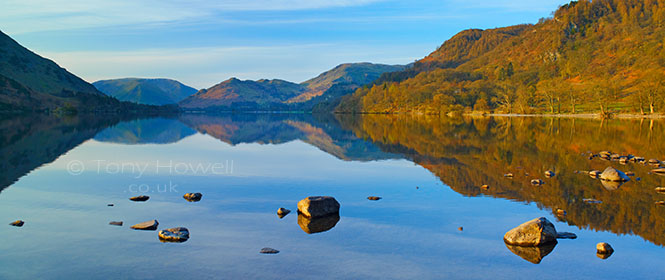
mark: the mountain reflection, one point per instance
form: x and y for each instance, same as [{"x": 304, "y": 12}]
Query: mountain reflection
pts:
[{"x": 464, "y": 153}]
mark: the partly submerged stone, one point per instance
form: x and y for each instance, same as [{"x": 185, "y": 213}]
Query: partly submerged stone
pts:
[
  {"x": 613, "y": 175},
  {"x": 549, "y": 174},
  {"x": 269, "y": 251},
  {"x": 317, "y": 224},
  {"x": 611, "y": 185},
  {"x": 536, "y": 232},
  {"x": 508, "y": 175},
  {"x": 591, "y": 200},
  {"x": 374, "y": 198},
  {"x": 149, "y": 225},
  {"x": 659, "y": 171},
  {"x": 561, "y": 212},
  {"x": 17, "y": 223},
  {"x": 282, "y": 212},
  {"x": 318, "y": 206},
  {"x": 176, "y": 234},
  {"x": 566, "y": 235},
  {"x": 603, "y": 248},
  {"x": 537, "y": 182},
  {"x": 139, "y": 198},
  {"x": 193, "y": 197},
  {"x": 116, "y": 223},
  {"x": 594, "y": 173},
  {"x": 534, "y": 254}
]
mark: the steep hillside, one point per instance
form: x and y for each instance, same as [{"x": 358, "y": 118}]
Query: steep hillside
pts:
[
  {"x": 145, "y": 91},
  {"x": 602, "y": 56},
  {"x": 234, "y": 94},
  {"x": 29, "y": 82}
]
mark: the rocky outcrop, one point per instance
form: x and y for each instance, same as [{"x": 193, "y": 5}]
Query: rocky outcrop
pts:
[{"x": 536, "y": 232}]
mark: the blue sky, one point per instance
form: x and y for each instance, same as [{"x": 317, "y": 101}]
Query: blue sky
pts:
[{"x": 202, "y": 43}]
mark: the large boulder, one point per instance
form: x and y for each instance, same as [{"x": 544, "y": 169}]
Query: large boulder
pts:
[
  {"x": 536, "y": 232},
  {"x": 613, "y": 175},
  {"x": 318, "y": 206},
  {"x": 176, "y": 234}
]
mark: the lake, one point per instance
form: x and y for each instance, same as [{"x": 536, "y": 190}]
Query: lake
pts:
[{"x": 59, "y": 173}]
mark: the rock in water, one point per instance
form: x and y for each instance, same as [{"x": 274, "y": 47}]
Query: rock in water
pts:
[
  {"x": 532, "y": 254},
  {"x": 654, "y": 161},
  {"x": 537, "y": 182},
  {"x": 109, "y": 205},
  {"x": 603, "y": 248},
  {"x": 659, "y": 171},
  {"x": 485, "y": 187},
  {"x": 566, "y": 235},
  {"x": 192, "y": 197},
  {"x": 591, "y": 200},
  {"x": 318, "y": 206},
  {"x": 536, "y": 232},
  {"x": 282, "y": 212},
  {"x": 17, "y": 223},
  {"x": 319, "y": 224},
  {"x": 267, "y": 250},
  {"x": 176, "y": 234},
  {"x": 594, "y": 173},
  {"x": 561, "y": 212},
  {"x": 116, "y": 223},
  {"x": 139, "y": 198},
  {"x": 508, "y": 175},
  {"x": 149, "y": 225},
  {"x": 549, "y": 174},
  {"x": 611, "y": 174},
  {"x": 374, "y": 198}
]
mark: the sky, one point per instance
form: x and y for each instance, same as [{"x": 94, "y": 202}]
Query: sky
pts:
[{"x": 202, "y": 43}]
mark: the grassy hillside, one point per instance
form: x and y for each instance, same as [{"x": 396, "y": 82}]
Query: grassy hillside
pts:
[
  {"x": 145, "y": 91},
  {"x": 589, "y": 57}
]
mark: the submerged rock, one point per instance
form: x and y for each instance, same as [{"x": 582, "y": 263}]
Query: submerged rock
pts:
[
  {"x": 591, "y": 200},
  {"x": 109, "y": 205},
  {"x": 176, "y": 234},
  {"x": 660, "y": 189},
  {"x": 460, "y": 228},
  {"x": 549, "y": 173},
  {"x": 536, "y": 232},
  {"x": 282, "y": 212},
  {"x": 604, "y": 249},
  {"x": 149, "y": 225},
  {"x": 630, "y": 173},
  {"x": 485, "y": 187},
  {"x": 611, "y": 185},
  {"x": 659, "y": 171},
  {"x": 318, "y": 206},
  {"x": 17, "y": 223},
  {"x": 613, "y": 175},
  {"x": 374, "y": 198},
  {"x": 566, "y": 235},
  {"x": 508, "y": 175},
  {"x": 654, "y": 161},
  {"x": 139, "y": 198},
  {"x": 116, "y": 223},
  {"x": 192, "y": 197},
  {"x": 267, "y": 250},
  {"x": 534, "y": 254},
  {"x": 537, "y": 182},
  {"x": 660, "y": 203},
  {"x": 561, "y": 212},
  {"x": 317, "y": 224}
]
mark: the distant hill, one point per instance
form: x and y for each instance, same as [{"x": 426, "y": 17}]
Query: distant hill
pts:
[
  {"x": 29, "y": 82},
  {"x": 145, "y": 131},
  {"x": 234, "y": 94},
  {"x": 591, "y": 57},
  {"x": 145, "y": 91}
]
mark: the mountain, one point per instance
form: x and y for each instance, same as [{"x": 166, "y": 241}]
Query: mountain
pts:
[
  {"x": 146, "y": 131},
  {"x": 600, "y": 56},
  {"x": 234, "y": 94},
  {"x": 29, "y": 82},
  {"x": 145, "y": 91}
]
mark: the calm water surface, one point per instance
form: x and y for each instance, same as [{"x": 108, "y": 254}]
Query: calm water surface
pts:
[{"x": 59, "y": 174}]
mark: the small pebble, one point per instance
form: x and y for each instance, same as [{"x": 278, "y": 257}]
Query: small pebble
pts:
[
  {"x": 267, "y": 250},
  {"x": 139, "y": 198},
  {"x": 460, "y": 228},
  {"x": 116, "y": 223},
  {"x": 373, "y": 197},
  {"x": 604, "y": 248},
  {"x": 17, "y": 223},
  {"x": 109, "y": 205}
]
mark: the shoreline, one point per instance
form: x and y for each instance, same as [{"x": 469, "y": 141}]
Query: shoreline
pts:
[{"x": 512, "y": 115}]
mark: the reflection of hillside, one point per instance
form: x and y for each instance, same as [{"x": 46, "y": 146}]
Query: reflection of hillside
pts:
[
  {"x": 146, "y": 131},
  {"x": 320, "y": 131},
  {"x": 467, "y": 153},
  {"x": 27, "y": 142}
]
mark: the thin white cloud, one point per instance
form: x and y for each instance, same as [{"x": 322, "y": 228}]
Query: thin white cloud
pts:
[{"x": 22, "y": 16}]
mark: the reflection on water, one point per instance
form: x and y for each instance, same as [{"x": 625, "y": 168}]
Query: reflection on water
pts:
[
  {"x": 354, "y": 157},
  {"x": 317, "y": 224}
]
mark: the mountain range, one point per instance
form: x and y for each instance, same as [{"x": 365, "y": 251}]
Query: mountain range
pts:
[
  {"x": 145, "y": 91},
  {"x": 237, "y": 95}
]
